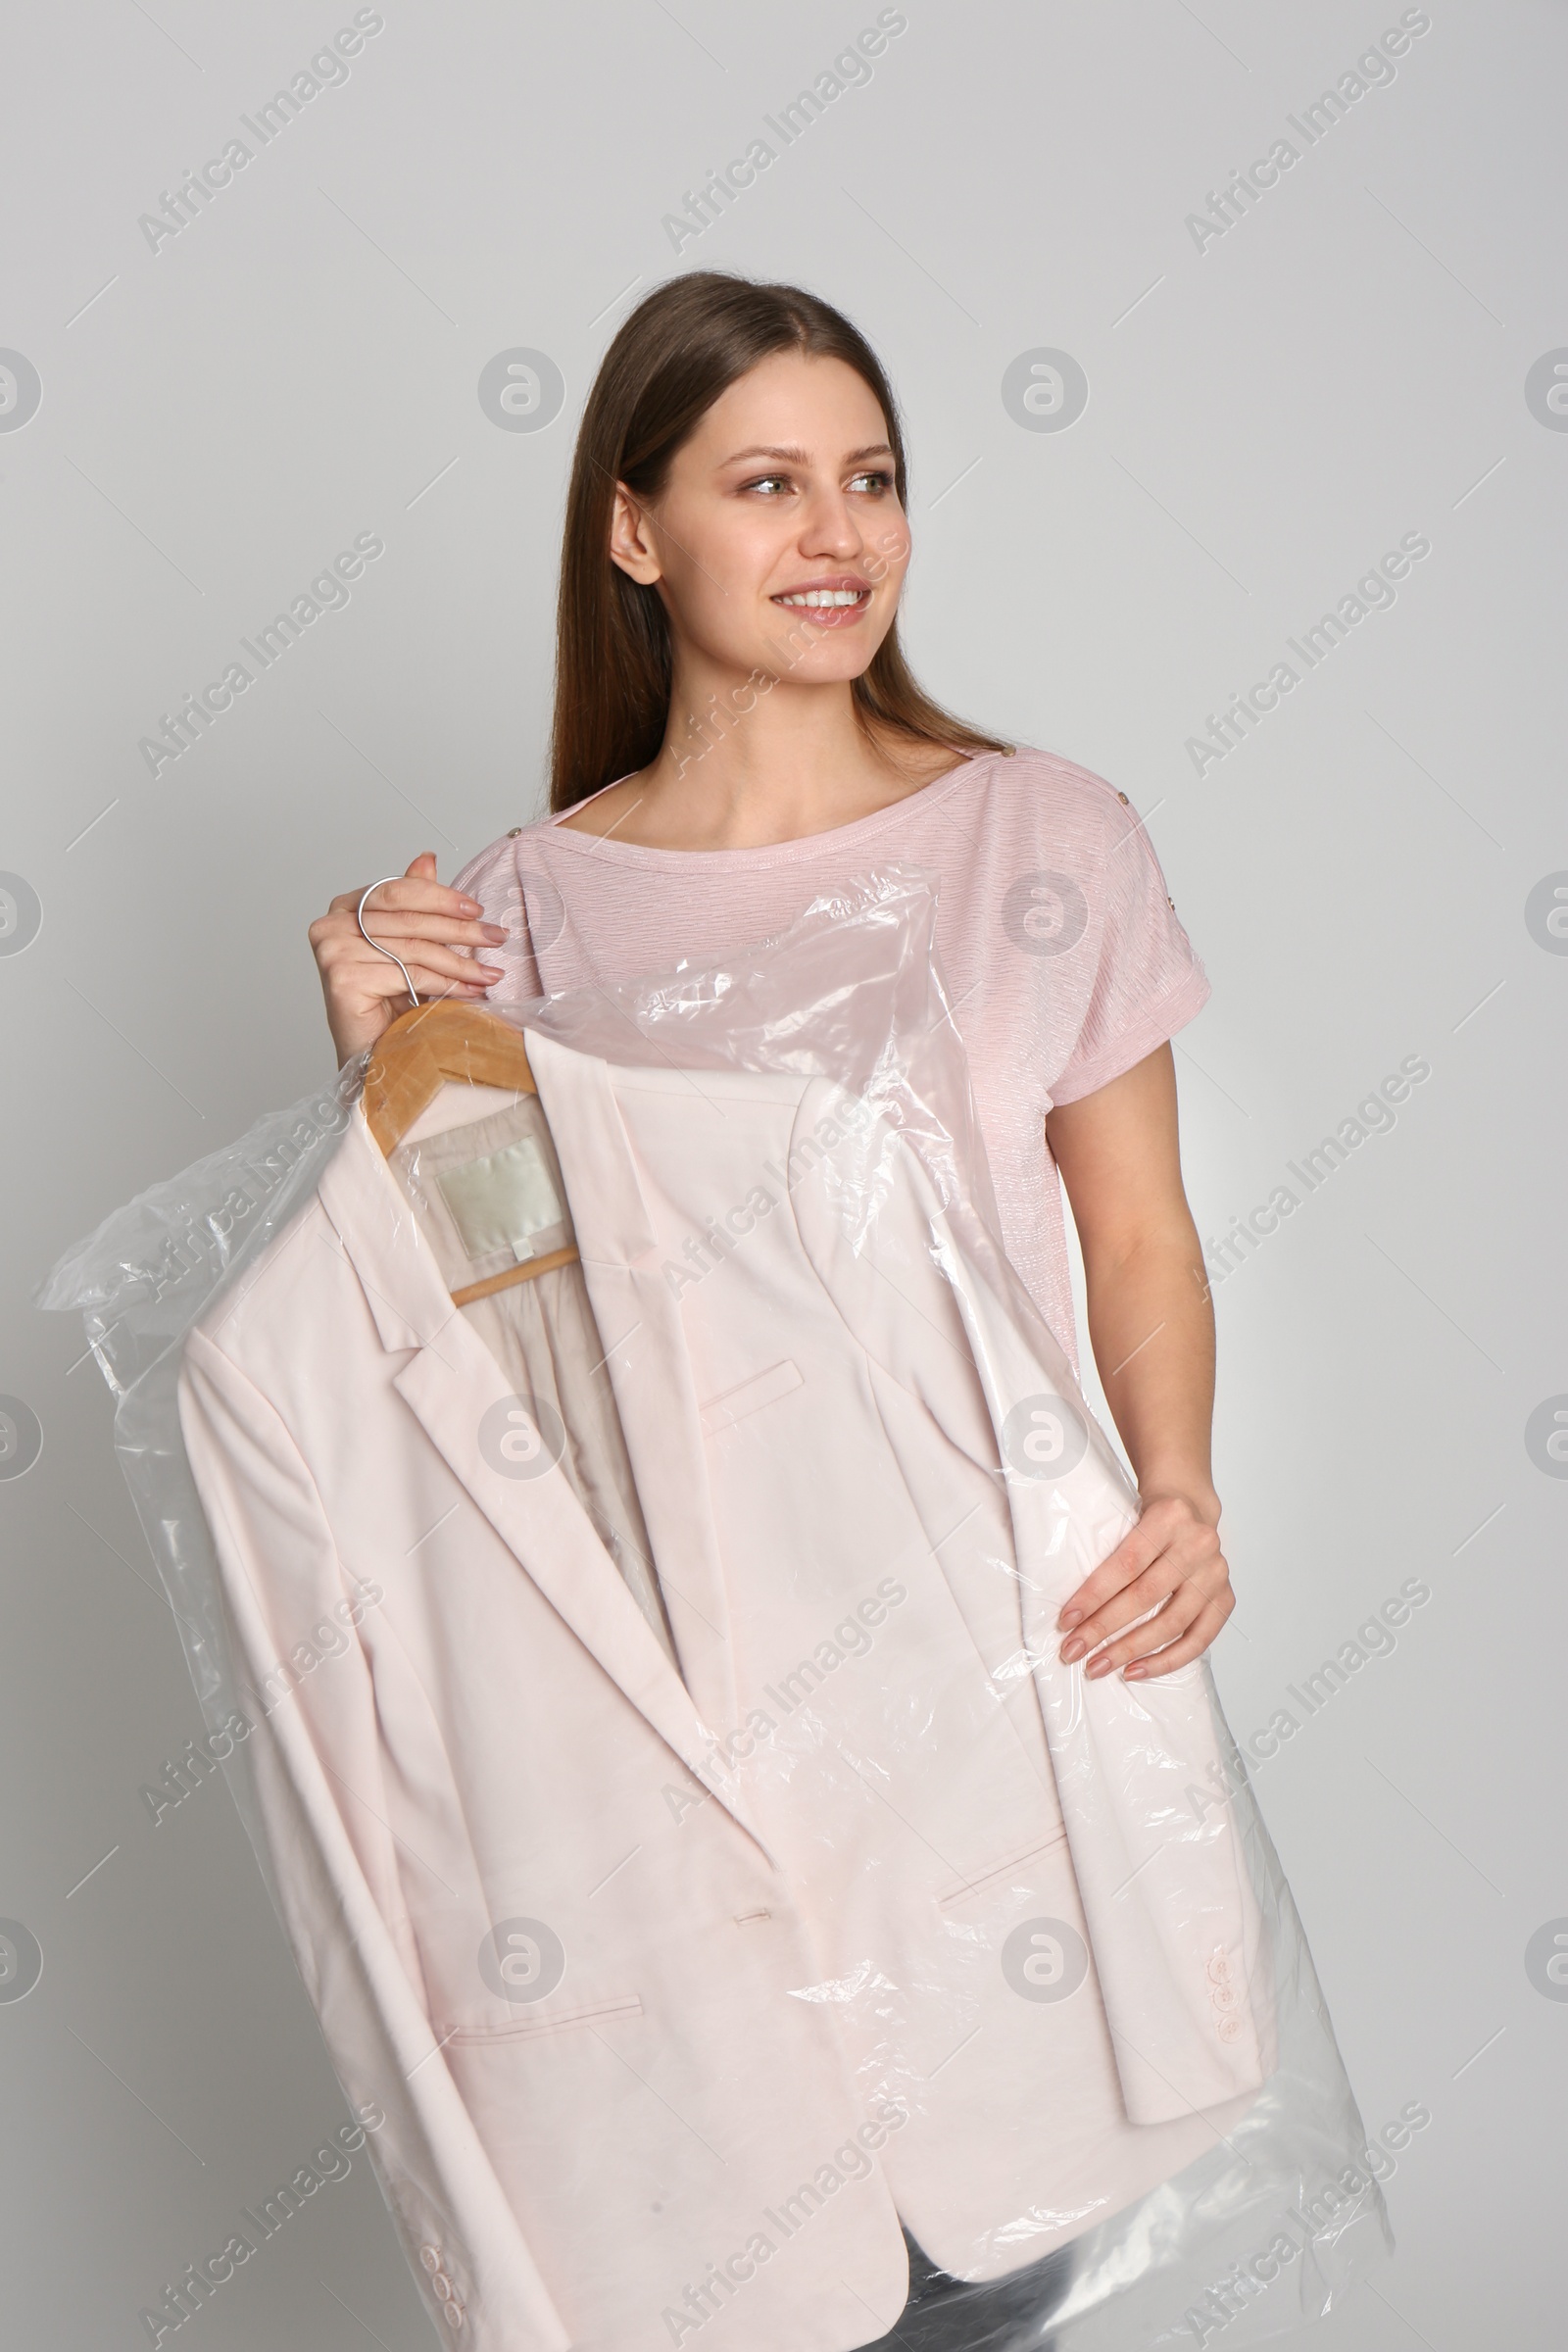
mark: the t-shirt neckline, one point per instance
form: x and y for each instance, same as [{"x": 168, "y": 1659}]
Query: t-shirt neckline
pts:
[{"x": 802, "y": 845}]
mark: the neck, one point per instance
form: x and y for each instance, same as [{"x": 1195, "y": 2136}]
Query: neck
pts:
[{"x": 744, "y": 764}]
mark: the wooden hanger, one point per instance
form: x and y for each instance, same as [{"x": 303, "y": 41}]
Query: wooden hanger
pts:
[{"x": 449, "y": 1040}]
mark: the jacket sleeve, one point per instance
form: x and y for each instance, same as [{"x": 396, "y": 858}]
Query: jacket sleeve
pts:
[
  {"x": 1165, "y": 1846},
  {"x": 1164, "y": 1837},
  {"x": 315, "y": 1762}
]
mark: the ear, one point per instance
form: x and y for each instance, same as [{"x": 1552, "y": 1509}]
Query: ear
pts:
[{"x": 632, "y": 540}]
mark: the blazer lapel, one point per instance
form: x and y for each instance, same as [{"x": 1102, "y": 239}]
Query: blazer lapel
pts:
[
  {"x": 646, "y": 1352},
  {"x": 449, "y": 1384}
]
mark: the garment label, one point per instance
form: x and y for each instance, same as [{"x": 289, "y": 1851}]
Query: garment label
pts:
[{"x": 501, "y": 1201}]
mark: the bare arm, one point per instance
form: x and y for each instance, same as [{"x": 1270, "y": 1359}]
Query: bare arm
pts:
[{"x": 1152, "y": 1329}]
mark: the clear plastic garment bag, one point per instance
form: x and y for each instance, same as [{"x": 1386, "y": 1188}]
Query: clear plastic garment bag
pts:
[{"x": 750, "y": 1931}]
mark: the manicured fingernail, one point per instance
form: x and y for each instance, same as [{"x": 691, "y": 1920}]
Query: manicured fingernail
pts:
[
  {"x": 1101, "y": 1666},
  {"x": 470, "y": 906},
  {"x": 1072, "y": 1650},
  {"x": 494, "y": 931},
  {"x": 1134, "y": 1674},
  {"x": 1068, "y": 1619}
]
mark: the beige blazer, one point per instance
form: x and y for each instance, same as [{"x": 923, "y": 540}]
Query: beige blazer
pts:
[{"x": 682, "y": 1981}]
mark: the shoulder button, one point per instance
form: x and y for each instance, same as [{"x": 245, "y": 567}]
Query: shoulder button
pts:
[
  {"x": 1122, "y": 797},
  {"x": 512, "y": 831}
]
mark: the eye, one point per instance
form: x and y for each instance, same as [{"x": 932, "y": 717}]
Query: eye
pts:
[
  {"x": 767, "y": 481},
  {"x": 877, "y": 479}
]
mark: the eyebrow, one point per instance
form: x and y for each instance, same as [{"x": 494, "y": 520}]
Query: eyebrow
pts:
[{"x": 801, "y": 457}]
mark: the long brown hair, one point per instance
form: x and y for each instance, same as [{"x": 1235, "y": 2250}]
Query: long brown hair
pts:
[{"x": 681, "y": 347}]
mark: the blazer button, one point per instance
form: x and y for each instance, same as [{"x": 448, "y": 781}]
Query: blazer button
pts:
[
  {"x": 512, "y": 831},
  {"x": 430, "y": 2256},
  {"x": 1125, "y": 801}
]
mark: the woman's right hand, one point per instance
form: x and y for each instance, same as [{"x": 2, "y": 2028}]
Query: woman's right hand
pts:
[{"x": 415, "y": 918}]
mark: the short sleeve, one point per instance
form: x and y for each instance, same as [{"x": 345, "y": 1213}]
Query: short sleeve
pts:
[
  {"x": 1147, "y": 982},
  {"x": 493, "y": 877}
]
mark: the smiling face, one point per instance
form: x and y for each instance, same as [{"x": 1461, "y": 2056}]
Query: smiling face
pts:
[{"x": 778, "y": 542}]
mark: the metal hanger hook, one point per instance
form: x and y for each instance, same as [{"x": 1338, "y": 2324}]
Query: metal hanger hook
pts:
[{"x": 359, "y": 917}]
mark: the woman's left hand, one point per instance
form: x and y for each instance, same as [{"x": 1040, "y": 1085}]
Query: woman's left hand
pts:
[{"x": 1171, "y": 1562}]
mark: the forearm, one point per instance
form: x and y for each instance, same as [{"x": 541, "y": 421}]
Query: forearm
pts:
[
  {"x": 1159, "y": 1597},
  {"x": 1152, "y": 1329}
]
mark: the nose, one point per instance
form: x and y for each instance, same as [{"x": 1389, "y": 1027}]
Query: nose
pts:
[{"x": 830, "y": 528}]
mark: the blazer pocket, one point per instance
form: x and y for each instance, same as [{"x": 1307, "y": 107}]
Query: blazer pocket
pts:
[
  {"x": 534, "y": 2029},
  {"x": 749, "y": 1396},
  {"x": 988, "y": 1882}
]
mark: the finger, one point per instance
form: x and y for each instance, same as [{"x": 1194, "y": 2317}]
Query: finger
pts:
[
  {"x": 1140, "y": 1546},
  {"x": 373, "y": 982},
  {"x": 436, "y": 973},
  {"x": 402, "y": 892},
  {"x": 1136, "y": 1600},
  {"x": 1168, "y": 1623},
  {"x": 444, "y": 961},
  {"x": 382, "y": 978},
  {"x": 1197, "y": 1639},
  {"x": 423, "y": 896},
  {"x": 339, "y": 945},
  {"x": 397, "y": 923},
  {"x": 442, "y": 984},
  {"x": 345, "y": 949}
]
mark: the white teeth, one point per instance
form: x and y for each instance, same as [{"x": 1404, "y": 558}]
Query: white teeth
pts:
[{"x": 825, "y": 596}]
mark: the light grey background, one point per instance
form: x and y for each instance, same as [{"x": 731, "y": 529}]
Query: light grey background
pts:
[{"x": 1266, "y": 418}]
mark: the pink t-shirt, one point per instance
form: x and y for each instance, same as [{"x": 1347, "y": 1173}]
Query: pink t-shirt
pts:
[{"x": 1060, "y": 949}]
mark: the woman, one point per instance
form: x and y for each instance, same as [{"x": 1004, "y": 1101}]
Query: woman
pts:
[{"x": 735, "y": 727}]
